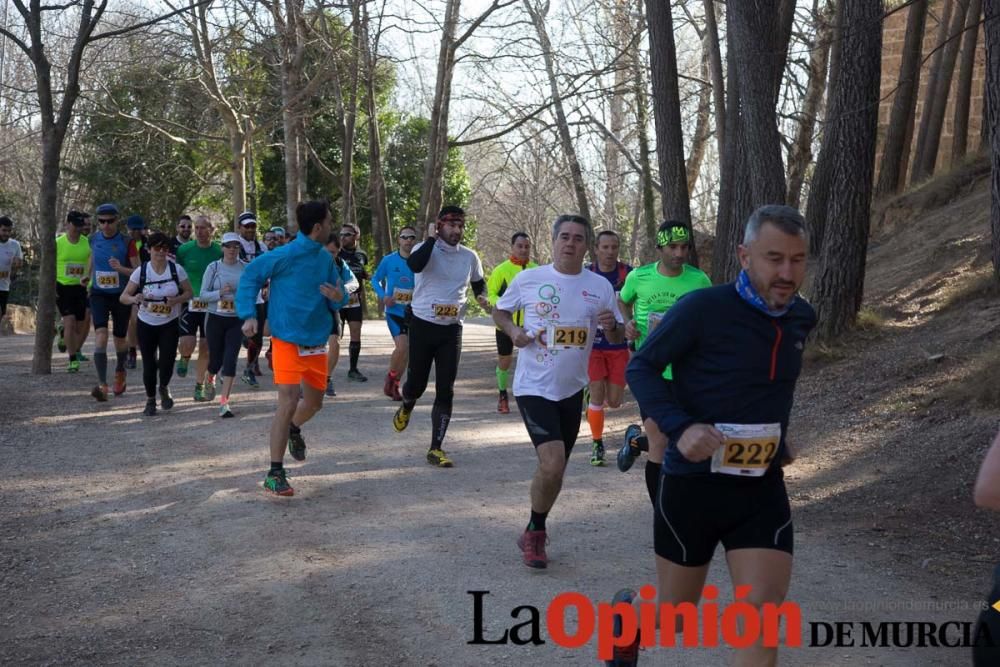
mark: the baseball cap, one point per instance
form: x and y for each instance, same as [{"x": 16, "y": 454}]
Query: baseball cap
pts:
[
  {"x": 135, "y": 222},
  {"x": 280, "y": 231},
  {"x": 230, "y": 237},
  {"x": 247, "y": 218},
  {"x": 76, "y": 218},
  {"x": 107, "y": 209}
]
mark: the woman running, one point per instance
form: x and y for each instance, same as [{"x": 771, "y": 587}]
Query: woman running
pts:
[
  {"x": 159, "y": 287},
  {"x": 223, "y": 327}
]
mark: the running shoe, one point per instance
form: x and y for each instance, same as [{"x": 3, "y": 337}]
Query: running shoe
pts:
[
  {"x": 166, "y": 400},
  {"x": 209, "y": 388},
  {"x": 199, "y": 393},
  {"x": 503, "y": 404},
  {"x": 629, "y": 452},
  {"x": 74, "y": 366},
  {"x": 330, "y": 391},
  {"x": 131, "y": 361},
  {"x": 225, "y": 412},
  {"x": 100, "y": 392},
  {"x": 150, "y": 407},
  {"x": 623, "y": 656},
  {"x": 388, "y": 384},
  {"x": 256, "y": 368},
  {"x": 81, "y": 357},
  {"x": 532, "y": 545},
  {"x": 401, "y": 419},
  {"x": 119, "y": 383},
  {"x": 355, "y": 375},
  {"x": 597, "y": 453},
  {"x": 182, "y": 367},
  {"x": 61, "y": 343},
  {"x": 437, "y": 457},
  {"x": 277, "y": 483},
  {"x": 249, "y": 378},
  {"x": 296, "y": 446}
]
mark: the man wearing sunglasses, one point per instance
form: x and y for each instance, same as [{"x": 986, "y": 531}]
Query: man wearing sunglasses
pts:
[
  {"x": 194, "y": 257},
  {"x": 109, "y": 270},
  {"x": 357, "y": 261},
  {"x": 393, "y": 285},
  {"x": 184, "y": 227}
]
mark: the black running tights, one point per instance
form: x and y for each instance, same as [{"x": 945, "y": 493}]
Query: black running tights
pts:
[{"x": 158, "y": 345}]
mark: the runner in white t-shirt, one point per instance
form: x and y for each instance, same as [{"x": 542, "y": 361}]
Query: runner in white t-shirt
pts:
[
  {"x": 10, "y": 261},
  {"x": 563, "y": 308},
  {"x": 159, "y": 287},
  {"x": 444, "y": 269}
]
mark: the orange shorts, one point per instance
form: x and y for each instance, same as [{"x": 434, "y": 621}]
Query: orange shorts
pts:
[
  {"x": 294, "y": 364},
  {"x": 608, "y": 365}
]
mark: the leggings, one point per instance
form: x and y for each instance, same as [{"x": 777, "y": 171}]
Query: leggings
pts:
[
  {"x": 225, "y": 336},
  {"x": 441, "y": 345},
  {"x": 158, "y": 345}
]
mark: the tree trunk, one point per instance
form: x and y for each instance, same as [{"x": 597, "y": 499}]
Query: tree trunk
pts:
[
  {"x": 645, "y": 250},
  {"x": 916, "y": 172},
  {"x": 991, "y": 30},
  {"x": 839, "y": 284},
  {"x": 892, "y": 173},
  {"x": 377, "y": 197},
  {"x": 718, "y": 83},
  {"x": 800, "y": 156},
  {"x": 667, "y": 112},
  {"x": 238, "y": 141},
  {"x": 622, "y": 30},
  {"x": 52, "y": 141},
  {"x": 350, "y": 115},
  {"x": 963, "y": 96},
  {"x": 699, "y": 140},
  {"x": 729, "y": 226}
]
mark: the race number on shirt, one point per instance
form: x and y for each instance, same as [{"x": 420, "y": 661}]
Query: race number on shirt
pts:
[
  {"x": 403, "y": 296},
  {"x": 4, "y": 275},
  {"x": 748, "y": 449},
  {"x": 197, "y": 306},
  {"x": 445, "y": 312},
  {"x": 652, "y": 321},
  {"x": 159, "y": 308},
  {"x": 107, "y": 279},
  {"x": 75, "y": 270},
  {"x": 567, "y": 335},
  {"x": 227, "y": 306},
  {"x": 311, "y": 350}
]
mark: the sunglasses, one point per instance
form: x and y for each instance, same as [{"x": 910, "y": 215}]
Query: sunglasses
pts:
[
  {"x": 107, "y": 221},
  {"x": 408, "y": 237},
  {"x": 231, "y": 246},
  {"x": 347, "y": 233}
]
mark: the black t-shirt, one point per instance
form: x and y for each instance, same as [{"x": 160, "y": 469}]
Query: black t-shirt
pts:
[{"x": 356, "y": 260}]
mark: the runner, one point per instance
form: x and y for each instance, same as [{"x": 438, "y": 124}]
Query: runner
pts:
[
  {"x": 270, "y": 240},
  {"x": 563, "y": 308},
  {"x": 11, "y": 258},
  {"x": 250, "y": 249},
  {"x": 222, "y": 327},
  {"x": 280, "y": 236},
  {"x": 353, "y": 314},
  {"x": 138, "y": 254},
  {"x": 350, "y": 285},
  {"x": 305, "y": 286},
  {"x": 649, "y": 292},
  {"x": 87, "y": 226},
  {"x": 500, "y": 279},
  {"x": 444, "y": 269},
  {"x": 184, "y": 226},
  {"x": 393, "y": 285},
  {"x": 606, "y": 367},
  {"x": 110, "y": 270},
  {"x": 159, "y": 288},
  {"x": 735, "y": 353},
  {"x": 195, "y": 256},
  {"x": 72, "y": 258}
]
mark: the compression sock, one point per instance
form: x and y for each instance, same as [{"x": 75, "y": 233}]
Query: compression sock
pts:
[
  {"x": 502, "y": 376},
  {"x": 120, "y": 359},
  {"x": 101, "y": 364},
  {"x": 537, "y": 521},
  {"x": 439, "y": 425},
  {"x": 595, "y": 417},
  {"x": 355, "y": 350}
]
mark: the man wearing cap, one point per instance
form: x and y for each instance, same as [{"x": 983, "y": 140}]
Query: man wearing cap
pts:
[
  {"x": 184, "y": 226},
  {"x": 195, "y": 256},
  {"x": 280, "y": 237},
  {"x": 109, "y": 271},
  {"x": 72, "y": 258},
  {"x": 649, "y": 292},
  {"x": 357, "y": 261},
  {"x": 250, "y": 249},
  {"x": 11, "y": 258}
]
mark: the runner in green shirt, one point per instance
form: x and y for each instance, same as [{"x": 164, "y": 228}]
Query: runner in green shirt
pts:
[
  {"x": 72, "y": 275},
  {"x": 499, "y": 280},
  {"x": 195, "y": 256}
]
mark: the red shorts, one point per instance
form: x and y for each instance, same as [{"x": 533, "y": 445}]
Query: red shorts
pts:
[
  {"x": 608, "y": 365},
  {"x": 294, "y": 364}
]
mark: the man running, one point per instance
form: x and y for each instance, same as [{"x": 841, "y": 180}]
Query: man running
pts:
[
  {"x": 393, "y": 284},
  {"x": 110, "y": 271},
  {"x": 649, "y": 292},
  {"x": 194, "y": 257},
  {"x": 444, "y": 270},
  {"x": 606, "y": 367},
  {"x": 563, "y": 306},
  {"x": 500, "y": 279},
  {"x": 735, "y": 352},
  {"x": 306, "y": 286},
  {"x": 72, "y": 276},
  {"x": 184, "y": 226},
  {"x": 250, "y": 249},
  {"x": 351, "y": 285},
  {"x": 353, "y": 314},
  {"x": 11, "y": 258}
]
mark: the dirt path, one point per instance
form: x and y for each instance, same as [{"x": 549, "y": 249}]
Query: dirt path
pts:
[{"x": 129, "y": 540}]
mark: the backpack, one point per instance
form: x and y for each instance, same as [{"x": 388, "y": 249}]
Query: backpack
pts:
[
  {"x": 173, "y": 277},
  {"x": 257, "y": 246}
]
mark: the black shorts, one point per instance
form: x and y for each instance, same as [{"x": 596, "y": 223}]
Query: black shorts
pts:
[
  {"x": 191, "y": 324},
  {"x": 351, "y": 314},
  {"x": 104, "y": 306},
  {"x": 696, "y": 512},
  {"x": 4, "y": 294},
  {"x": 549, "y": 421},
  {"x": 505, "y": 345},
  {"x": 72, "y": 300}
]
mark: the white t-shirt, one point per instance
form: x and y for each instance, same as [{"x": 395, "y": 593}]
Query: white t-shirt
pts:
[
  {"x": 9, "y": 251},
  {"x": 159, "y": 287},
  {"x": 565, "y": 307},
  {"x": 439, "y": 291}
]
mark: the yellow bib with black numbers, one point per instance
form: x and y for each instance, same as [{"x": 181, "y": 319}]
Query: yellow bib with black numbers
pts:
[
  {"x": 107, "y": 279},
  {"x": 159, "y": 308},
  {"x": 403, "y": 296},
  {"x": 446, "y": 312},
  {"x": 567, "y": 336},
  {"x": 748, "y": 449}
]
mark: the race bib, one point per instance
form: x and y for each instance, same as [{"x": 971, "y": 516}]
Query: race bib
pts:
[
  {"x": 354, "y": 300},
  {"x": 748, "y": 449},
  {"x": 653, "y": 321},
  {"x": 311, "y": 350},
  {"x": 75, "y": 270},
  {"x": 567, "y": 336},
  {"x": 226, "y": 306},
  {"x": 197, "y": 306},
  {"x": 403, "y": 296},
  {"x": 161, "y": 309},
  {"x": 107, "y": 279},
  {"x": 4, "y": 275},
  {"x": 446, "y": 312}
]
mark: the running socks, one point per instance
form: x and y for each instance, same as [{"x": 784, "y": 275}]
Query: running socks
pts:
[
  {"x": 355, "y": 350},
  {"x": 652, "y": 480},
  {"x": 276, "y": 466},
  {"x": 101, "y": 364},
  {"x": 537, "y": 521},
  {"x": 502, "y": 376},
  {"x": 439, "y": 425},
  {"x": 120, "y": 358},
  {"x": 293, "y": 429},
  {"x": 595, "y": 417}
]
